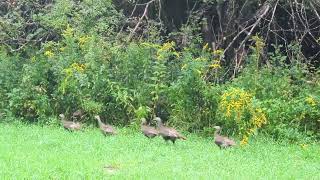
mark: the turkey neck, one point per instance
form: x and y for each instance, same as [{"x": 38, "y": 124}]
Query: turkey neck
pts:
[
  {"x": 100, "y": 122},
  {"x": 217, "y": 132},
  {"x": 160, "y": 125},
  {"x": 63, "y": 119}
]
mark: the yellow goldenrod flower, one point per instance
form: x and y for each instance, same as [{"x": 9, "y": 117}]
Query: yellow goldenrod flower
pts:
[
  {"x": 205, "y": 46},
  {"x": 49, "y": 53},
  {"x": 184, "y": 66},
  {"x": 228, "y": 112},
  {"x": 218, "y": 52},
  {"x": 304, "y": 146},
  {"x": 215, "y": 66},
  {"x": 167, "y": 46},
  {"x": 78, "y": 67},
  {"x": 166, "y": 50},
  {"x": 68, "y": 71},
  {"x": 234, "y": 104},
  {"x": 83, "y": 40},
  {"x": 68, "y": 32},
  {"x": 311, "y": 101},
  {"x": 259, "y": 43},
  {"x": 244, "y": 141},
  {"x": 33, "y": 59},
  {"x": 235, "y": 101}
]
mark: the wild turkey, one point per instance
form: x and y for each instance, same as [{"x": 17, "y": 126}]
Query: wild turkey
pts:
[
  {"x": 69, "y": 125},
  {"x": 106, "y": 129},
  {"x": 168, "y": 133},
  {"x": 221, "y": 141},
  {"x": 148, "y": 131},
  {"x": 78, "y": 114}
]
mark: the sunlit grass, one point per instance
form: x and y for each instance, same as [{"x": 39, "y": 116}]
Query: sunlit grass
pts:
[{"x": 53, "y": 153}]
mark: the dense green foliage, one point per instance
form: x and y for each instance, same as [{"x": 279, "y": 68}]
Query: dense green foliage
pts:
[
  {"x": 35, "y": 152},
  {"x": 85, "y": 64}
]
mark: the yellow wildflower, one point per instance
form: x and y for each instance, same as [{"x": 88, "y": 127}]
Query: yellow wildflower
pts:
[
  {"x": 244, "y": 141},
  {"x": 167, "y": 46},
  {"x": 49, "y": 53},
  {"x": 215, "y": 66},
  {"x": 68, "y": 71},
  {"x": 259, "y": 118},
  {"x": 311, "y": 101},
  {"x": 33, "y": 59},
  {"x": 259, "y": 43},
  {"x": 304, "y": 146},
  {"x": 228, "y": 112},
  {"x": 205, "y": 46},
  {"x": 218, "y": 52},
  {"x": 235, "y": 101},
  {"x": 83, "y": 40},
  {"x": 78, "y": 67},
  {"x": 68, "y": 32}
]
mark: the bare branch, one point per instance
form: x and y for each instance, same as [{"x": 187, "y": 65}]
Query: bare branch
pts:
[
  {"x": 144, "y": 15},
  {"x": 260, "y": 14}
]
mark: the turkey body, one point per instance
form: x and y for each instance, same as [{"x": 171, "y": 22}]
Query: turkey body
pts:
[
  {"x": 222, "y": 141},
  {"x": 69, "y": 125},
  {"x": 168, "y": 133},
  {"x": 147, "y": 130},
  {"x": 106, "y": 129}
]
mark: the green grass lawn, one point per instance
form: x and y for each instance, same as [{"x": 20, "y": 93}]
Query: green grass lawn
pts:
[{"x": 34, "y": 152}]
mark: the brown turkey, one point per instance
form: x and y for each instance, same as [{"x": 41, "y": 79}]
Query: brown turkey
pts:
[
  {"x": 168, "y": 133},
  {"x": 106, "y": 129},
  {"x": 147, "y": 130},
  {"x": 221, "y": 141},
  {"x": 78, "y": 114},
  {"x": 69, "y": 125}
]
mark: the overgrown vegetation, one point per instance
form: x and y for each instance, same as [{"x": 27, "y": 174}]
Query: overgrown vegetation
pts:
[{"x": 57, "y": 57}]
